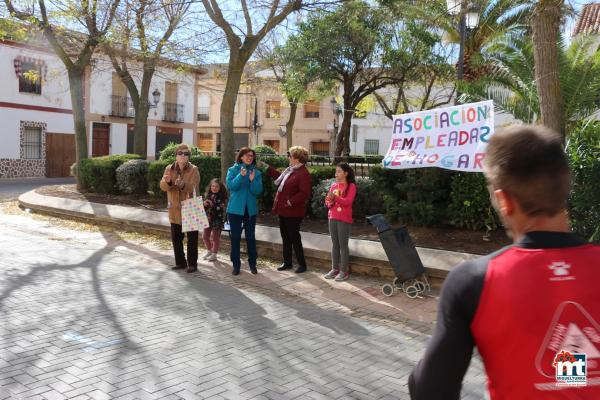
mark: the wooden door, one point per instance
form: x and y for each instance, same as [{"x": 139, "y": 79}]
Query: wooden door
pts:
[
  {"x": 205, "y": 141},
  {"x": 100, "y": 139},
  {"x": 319, "y": 148},
  {"x": 60, "y": 154}
]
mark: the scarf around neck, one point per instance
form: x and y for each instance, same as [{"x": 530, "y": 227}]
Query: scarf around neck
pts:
[{"x": 280, "y": 182}]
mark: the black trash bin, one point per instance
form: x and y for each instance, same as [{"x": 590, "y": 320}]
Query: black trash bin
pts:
[{"x": 401, "y": 253}]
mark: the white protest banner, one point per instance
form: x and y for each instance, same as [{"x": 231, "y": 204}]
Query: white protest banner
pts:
[{"x": 451, "y": 137}]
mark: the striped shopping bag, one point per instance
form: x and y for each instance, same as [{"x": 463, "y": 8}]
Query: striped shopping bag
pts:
[{"x": 193, "y": 215}]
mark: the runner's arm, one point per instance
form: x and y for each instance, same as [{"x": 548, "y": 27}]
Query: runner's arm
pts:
[{"x": 440, "y": 373}]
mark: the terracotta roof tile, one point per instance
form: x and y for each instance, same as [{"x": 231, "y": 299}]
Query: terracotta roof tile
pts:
[{"x": 589, "y": 21}]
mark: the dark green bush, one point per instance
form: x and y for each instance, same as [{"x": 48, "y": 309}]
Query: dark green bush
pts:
[
  {"x": 367, "y": 201},
  {"x": 156, "y": 169},
  {"x": 264, "y": 149},
  {"x": 583, "y": 150},
  {"x": 414, "y": 196},
  {"x": 274, "y": 161},
  {"x": 168, "y": 153},
  {"x": 209, "y": 168},
  {"x": 470, "y": 205},
  {"x": 98, "y": 174},
  {"x": 319, "y": 174},
  {"x": 131, "y": 177}
]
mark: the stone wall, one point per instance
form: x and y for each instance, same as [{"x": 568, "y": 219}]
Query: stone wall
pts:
[{"x": 23, "y": 167}]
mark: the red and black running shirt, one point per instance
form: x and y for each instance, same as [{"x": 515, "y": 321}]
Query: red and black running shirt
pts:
[{"x": 520, "y": 306}]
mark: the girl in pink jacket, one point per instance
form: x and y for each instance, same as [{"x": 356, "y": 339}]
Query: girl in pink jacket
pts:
[{"x": 339, "y": 201}]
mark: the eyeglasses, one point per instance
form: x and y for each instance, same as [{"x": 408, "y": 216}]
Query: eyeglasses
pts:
[{"x": 183, "y": 153}]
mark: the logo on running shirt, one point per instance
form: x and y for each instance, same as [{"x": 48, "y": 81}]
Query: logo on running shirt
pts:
[
  {"x": 561, "y": 271},
  {"x": 571, "y": 368}
]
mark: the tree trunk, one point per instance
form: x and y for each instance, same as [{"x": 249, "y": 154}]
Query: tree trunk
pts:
[
  {"x": 345, "y": 132},
  {"x": 140, "y": 133},
  {"x": 546, "y": 32},
  {"x": 289, "y": 126},
  {"x": 76, "y": 79},
  {"x": 234, "y": 77}
]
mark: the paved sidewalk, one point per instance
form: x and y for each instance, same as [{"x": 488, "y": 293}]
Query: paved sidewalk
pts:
[{"x": 86, "y": 315}]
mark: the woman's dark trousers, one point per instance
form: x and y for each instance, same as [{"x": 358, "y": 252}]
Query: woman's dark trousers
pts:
[
  {"x": 289, "y": 227},
  {"x": 238, "y": 223},
  {"x": 192, "y": 246}
]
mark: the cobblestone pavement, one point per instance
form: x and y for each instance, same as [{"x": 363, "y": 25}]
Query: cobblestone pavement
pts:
[{"x": 88, "y": 315}]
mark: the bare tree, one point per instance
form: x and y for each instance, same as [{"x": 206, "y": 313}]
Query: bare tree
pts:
[
  {"x": 546, "y": 22},
  {"x": 75, "y": 49},
  {"x": 141, "y": 36},
  {"x": 242, "y": 42}
]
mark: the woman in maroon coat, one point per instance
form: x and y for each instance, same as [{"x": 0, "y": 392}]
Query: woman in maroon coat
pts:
[{"x": 293, "y": 192}]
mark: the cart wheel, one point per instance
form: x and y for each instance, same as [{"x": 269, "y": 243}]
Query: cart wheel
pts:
[
  {"x": 397, "y": 284},
  {"x": 407, "y": 284},
  {"x": 412, "y": 291},
  {"x": 387, "y": 290},
  {"x": 420, "y": 286}
]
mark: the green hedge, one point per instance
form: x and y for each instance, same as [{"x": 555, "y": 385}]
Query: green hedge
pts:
[
  {"x": 98, "y": 174},
  {"x": 470, "y": 205},
  {"x": 264, "y": 149},
  {"x": 168, "y": 153},
  {"x": 583, "y": 150},
  {"x": 319, "y": 174},
  {"x": 156, "y": 170},
  {"x": 367, "y": 201},
  {"x": 274, "y": 161},
  {"x": 414, "y": 196}
]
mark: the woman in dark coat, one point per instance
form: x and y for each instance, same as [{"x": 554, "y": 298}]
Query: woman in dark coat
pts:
[{"x": 293, "y": 191}]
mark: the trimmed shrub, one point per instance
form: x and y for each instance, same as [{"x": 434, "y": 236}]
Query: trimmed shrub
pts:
[
  {"x": 317, "y": 201},
  {"x": 209, "y": 168},
  {"x": 264, "y": 149},
  {"x": 414, "y": 196},
  {"x": 470, "y": 205},
  {"x": 156, "y": 169},
  {"x": 274, "y": 161},
  {"x": 168, "y": 153},
  {"x": 132, "y": 177},
  {"x": 583, "y": 150},
  {"x": 98, "y": 174},
  {"x": 367, "y": 201},
  {"x": 319, "y": 174},
  {"x": 265, "y": 201}
]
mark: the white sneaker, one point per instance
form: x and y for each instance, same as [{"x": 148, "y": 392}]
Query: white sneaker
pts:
[
  {"x": 207, "y": 255},
  {"x": 213, "y": 257},
  {"x": 332, "y": 274},
  {"x": 342, "y": 276}
]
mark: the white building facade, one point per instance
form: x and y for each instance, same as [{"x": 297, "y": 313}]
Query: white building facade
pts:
[
  {"x": 35, "y": 111},
  {"x": 37, "y": 135}
]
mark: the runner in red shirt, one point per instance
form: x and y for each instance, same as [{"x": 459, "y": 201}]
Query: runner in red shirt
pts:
[{"x": 531, "y": 308}]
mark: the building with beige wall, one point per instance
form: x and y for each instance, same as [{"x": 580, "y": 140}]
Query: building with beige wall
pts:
[{"x": 259, "y": 94}]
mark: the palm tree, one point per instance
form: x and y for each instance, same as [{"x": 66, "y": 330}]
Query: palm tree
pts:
[
  {"x": 497, "y": 18},
  {"x": 510, "y": 80}
]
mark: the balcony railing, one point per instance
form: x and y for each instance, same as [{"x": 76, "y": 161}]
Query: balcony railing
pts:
[
  {"x": 173, "y": 112},
  {"x": 203, "y": 113},
  {"x": 121, "y": 106}
]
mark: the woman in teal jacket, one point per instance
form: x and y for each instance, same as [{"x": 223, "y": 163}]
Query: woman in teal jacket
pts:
[{"x": 244, "y": 182}]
